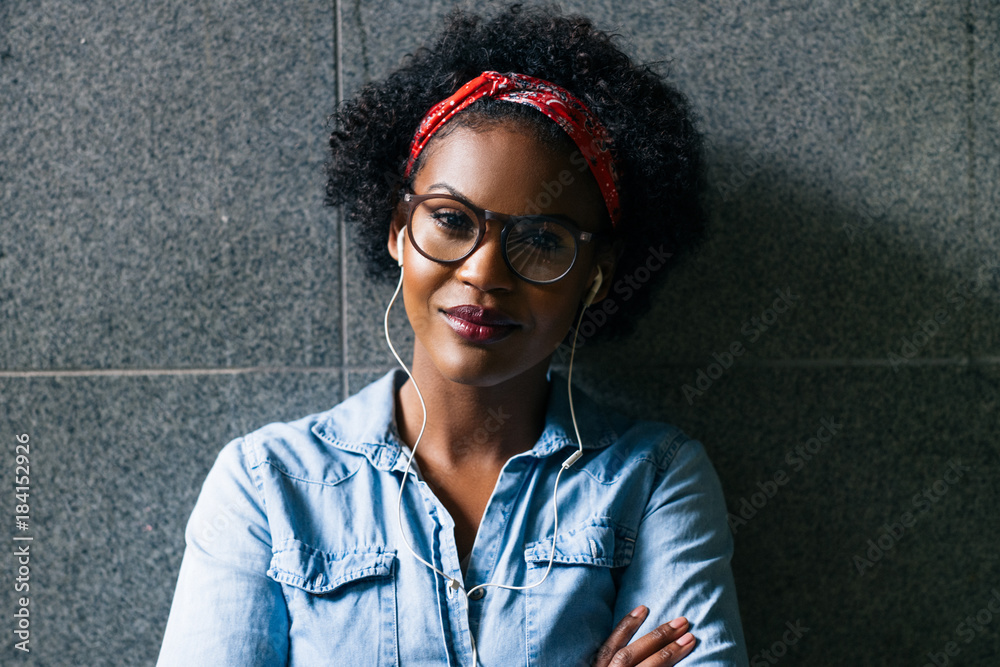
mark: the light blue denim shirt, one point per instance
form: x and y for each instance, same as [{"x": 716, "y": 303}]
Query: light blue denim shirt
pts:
[{"x": 294, "y": 554}]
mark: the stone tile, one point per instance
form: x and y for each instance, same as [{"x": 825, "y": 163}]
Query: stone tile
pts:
[
  {"x": 984, "y": 63},
  {"x": 838, "y": 165},
  {"x": 163, "y": 187},
  {"x": 920, "y": 442},
  {"x": 378, "y": 35},
  {"x": 358, "y": 380},
  {"x": 367, "y": 302},
  {"x": 116, "y": 464}
]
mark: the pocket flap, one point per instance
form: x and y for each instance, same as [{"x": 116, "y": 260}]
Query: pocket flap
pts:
[
  {"x": 601, "y": 543},
  {"x": 315, "y": 571}
]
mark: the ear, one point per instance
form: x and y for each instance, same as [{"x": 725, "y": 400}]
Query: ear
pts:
[
  {"x": 396, "y": 234},
  {"x": 606, "y": 261},
  {"x": 595, "y": 287}
]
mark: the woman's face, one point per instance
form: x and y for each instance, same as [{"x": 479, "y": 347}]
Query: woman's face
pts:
[{"x": 502, "y": 168}]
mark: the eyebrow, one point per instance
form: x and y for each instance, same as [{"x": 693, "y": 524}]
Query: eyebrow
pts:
[
  {"x": 555, "y": 216},
  {"x": 451, "y": 190}
]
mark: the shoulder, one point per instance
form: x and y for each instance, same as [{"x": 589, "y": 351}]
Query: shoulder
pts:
[
  {"x": 676, "y": 456},
  {"x": 608, "y": 435},
  {"x": 659, "y": 459},
  {"x": 682, "y": 482},
  {"x": 658, "y": 443},
  {"x": 323, "y": 447},
  {"x": 246, "y": 468},
  {"x": 622, "y": 449},
  {"x": 291, "y": 448}
]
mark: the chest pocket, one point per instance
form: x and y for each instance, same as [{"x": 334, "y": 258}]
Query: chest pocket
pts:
[
  {"x": 341, "y": 606},
  {"x": 577, "y": 599},
  {"x": 601, "y": 544}
]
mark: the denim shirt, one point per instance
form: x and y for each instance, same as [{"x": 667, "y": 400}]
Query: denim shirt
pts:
[{"x": 294, "y": 554}]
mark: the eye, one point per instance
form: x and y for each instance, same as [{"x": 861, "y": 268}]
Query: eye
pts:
[
  {"x": 540, "y": 240},
  {"x": 452, "y": 220},
  {"x": 542, "y": 237}
]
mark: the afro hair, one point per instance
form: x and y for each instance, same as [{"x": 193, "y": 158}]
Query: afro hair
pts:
[{"x": 656, "y": 146}]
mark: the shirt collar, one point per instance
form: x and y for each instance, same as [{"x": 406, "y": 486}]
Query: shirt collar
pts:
[{"x": 365, "y": 423}]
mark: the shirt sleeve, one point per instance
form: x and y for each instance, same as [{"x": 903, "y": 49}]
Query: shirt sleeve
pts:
[
  {"x": 681, "y": 562},
  {"x": 226, "y": 610}
]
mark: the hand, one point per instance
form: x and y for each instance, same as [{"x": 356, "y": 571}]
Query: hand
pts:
[{"x": 665, "y": 645}]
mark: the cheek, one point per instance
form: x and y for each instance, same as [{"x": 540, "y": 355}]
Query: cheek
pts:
[{"x": 421, "y": 280}]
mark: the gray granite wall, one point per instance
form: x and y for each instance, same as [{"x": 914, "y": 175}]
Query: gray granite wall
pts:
[{"x": 169, "y": 279}]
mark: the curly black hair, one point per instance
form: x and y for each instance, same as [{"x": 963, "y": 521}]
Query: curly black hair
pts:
[{"x": 658, "y": 150}]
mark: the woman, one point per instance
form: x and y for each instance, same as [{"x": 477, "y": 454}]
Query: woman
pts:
[{"x": 475, "y": 513}]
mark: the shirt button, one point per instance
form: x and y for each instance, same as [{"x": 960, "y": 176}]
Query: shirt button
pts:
[{"x": 477, "y": 594}]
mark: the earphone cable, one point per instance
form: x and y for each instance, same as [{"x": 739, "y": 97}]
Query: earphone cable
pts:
[{"x": 453, "y": 583}]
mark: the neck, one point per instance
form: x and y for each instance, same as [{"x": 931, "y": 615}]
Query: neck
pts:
[{"x": 471, "y": 425}]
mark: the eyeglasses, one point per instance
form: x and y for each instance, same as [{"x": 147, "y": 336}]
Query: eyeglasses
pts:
[{"x": 537, "y": 248}]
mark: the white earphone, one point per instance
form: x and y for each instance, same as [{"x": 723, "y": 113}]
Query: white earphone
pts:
[
  {"x": 598, "y": 279},
  {"x": 399, "y": 246}
]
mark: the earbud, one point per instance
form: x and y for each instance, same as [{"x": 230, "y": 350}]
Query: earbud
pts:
[
  {"x": 399, "y": 246},
  {"x": 594, "y": 288}
]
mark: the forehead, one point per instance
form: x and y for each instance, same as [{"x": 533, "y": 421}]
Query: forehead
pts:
[{"x": 506, "y": 168}]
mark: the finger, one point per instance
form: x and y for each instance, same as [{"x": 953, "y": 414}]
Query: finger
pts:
[
  {"x": 620, "y": 636},
  {"x": 672, "y": 653},
  {"x": 654, "y": 641}
]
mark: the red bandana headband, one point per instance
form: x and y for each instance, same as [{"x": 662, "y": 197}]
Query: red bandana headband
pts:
[{"x": 555, "y": 102}]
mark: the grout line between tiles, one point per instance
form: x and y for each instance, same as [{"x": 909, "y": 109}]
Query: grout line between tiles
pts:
[
  {"x": 338, "y": 68},
  {"x": 346, "y": 369}
]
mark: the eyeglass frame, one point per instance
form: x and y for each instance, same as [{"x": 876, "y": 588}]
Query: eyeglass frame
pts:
[{"x": 412, "y": 200}]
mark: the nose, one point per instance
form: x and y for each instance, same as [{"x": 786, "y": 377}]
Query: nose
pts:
[{"x": 485, "y": 268}]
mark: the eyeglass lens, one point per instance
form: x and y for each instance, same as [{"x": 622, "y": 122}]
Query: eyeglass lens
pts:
[{"x": 538, "y": 249}]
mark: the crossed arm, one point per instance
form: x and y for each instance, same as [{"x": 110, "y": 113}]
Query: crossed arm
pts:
[{"x": 681, "y": 568}]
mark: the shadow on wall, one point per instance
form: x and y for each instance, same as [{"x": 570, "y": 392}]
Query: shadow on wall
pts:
[{"x": 832, "y": 360}]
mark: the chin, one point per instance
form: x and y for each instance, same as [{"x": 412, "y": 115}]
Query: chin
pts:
[
  {"x": 479, "y": 368},
  {"x": 468, "y": 372}
]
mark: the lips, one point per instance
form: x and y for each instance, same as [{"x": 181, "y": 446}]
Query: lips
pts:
[{"x": 478, "y": 324}]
